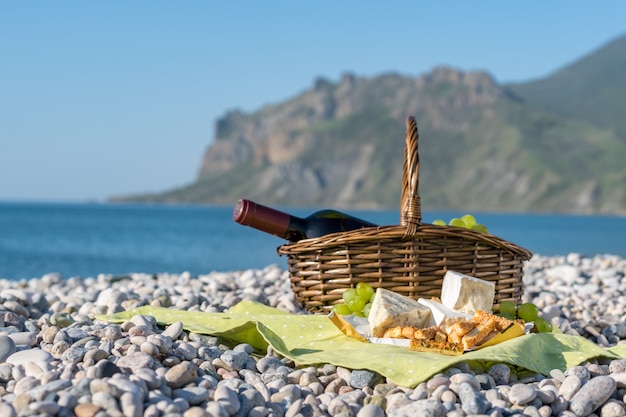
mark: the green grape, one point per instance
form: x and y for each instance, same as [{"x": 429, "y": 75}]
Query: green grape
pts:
[
  {"x": 342, "y": 309},
  {"x": 506, "y": 315},
  {"x": 480, "y": 228},
  {"x": 542, "y": 325},
  {"x": 349, "y": 294},
  {"x": 439, "y": 222},
  {"x": 527, "y": 312},
  {"x": 371, "y": 300},
  {"x": 457, "y": 222},
  {"x": 358, "y": 314},
  {"x": 366, "y": 309},
  {"x": 469, "y": 220},
  {"x": 364, "y": 290},
  {"x": 508, "y": 307},
  {"x": 356, "y": 304}
]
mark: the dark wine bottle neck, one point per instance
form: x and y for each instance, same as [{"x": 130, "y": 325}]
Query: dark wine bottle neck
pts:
[
  {"x": 294, "y": 228},
  {"x": 268, "y": 220}
]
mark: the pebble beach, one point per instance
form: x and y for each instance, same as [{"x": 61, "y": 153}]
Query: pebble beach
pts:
[{"x": 57, "y": 359}]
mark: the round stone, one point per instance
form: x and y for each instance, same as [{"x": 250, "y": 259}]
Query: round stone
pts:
[
  {"x": 86, "y": 410},
  {"x": 371, "y": 410},
  {"x": 36, "y": 355},
  {"x": 267, "y": 363},
  {"x": 174, "y": 330},
  {"x": 500, "y": 373},
  {"x": 592, "y": 395},
  {"x": 613, "y": 409},
  {"x": 24, "y": 338},
  {"x": 522, "y": 394},
  {"x": 193, "y": 395},
  {"x": 422, "y": 408},
  {"x": 234, "y": 360},
  {"x": 363, "y": 378},
  {"x": 16, "y": 307},
  {"x": 570, "y": 386},
  {"x": 135, "y": 361},
  {"x": 182, "y": 374},
  {"x": 227, "y": 398},
  {"x": 7, "y": 347},
  {"x": 7, "y": 410},
  {"x": 61, "y": 319},
  {"x": 436, "y": 381},
  {"x": 471, "y": 400}
]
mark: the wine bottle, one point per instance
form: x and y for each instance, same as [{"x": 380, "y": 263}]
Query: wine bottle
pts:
[{"x": 294, "y": 228}]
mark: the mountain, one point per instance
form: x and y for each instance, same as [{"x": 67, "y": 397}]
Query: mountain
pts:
[
  {"x": 591, "y": 89},
  {"x": 556, "y": 144}
]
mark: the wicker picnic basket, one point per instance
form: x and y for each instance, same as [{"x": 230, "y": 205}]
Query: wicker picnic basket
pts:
[{"x": 410, "y": 259}]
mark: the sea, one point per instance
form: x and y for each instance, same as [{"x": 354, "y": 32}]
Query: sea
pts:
[{"x": 88, "y": 239}]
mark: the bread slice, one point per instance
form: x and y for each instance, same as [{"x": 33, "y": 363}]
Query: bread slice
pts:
[
  {"x": 459, "y": 329},
  {"x": 433, "y": 346},
  {"x": 433, "y": 333},
  {"x": 479, "y": 334},
  {"x": 400, "y": 332},
  {"x": 501, "y": 323}
]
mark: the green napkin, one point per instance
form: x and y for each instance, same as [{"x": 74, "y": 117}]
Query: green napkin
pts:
[{"x": 313, "y": 339}]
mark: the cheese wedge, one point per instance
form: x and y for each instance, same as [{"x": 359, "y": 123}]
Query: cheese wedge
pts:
[
  {"x": 467, "y": 294},
  {"x": 390, "y": 309},
  {"x": 441, "y": 315}
]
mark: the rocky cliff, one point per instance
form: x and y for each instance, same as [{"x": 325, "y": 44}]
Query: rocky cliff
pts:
[{"x": 483, "y": 147}]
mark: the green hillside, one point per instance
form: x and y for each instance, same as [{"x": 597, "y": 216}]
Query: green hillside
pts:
[
  {"x": 556, "y": 144},
  {"x": 592, "y": 89}
]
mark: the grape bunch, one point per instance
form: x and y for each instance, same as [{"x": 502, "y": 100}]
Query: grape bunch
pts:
[
  {"x": 466, "y": 221},
  {"x": 527, "y": 312},
  {"x": 356, "y": 301}
]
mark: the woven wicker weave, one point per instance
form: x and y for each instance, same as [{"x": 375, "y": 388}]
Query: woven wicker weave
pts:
[{"x": 410, "y": 259}]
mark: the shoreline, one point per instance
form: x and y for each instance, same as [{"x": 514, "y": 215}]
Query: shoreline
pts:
[{"x": 136, "y": 368}]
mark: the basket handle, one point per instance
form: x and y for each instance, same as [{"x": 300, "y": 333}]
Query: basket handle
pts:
[{"x": 410, "y": 207}]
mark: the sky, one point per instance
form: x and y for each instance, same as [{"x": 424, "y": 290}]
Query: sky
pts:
[{"x": 101, "y": 99}]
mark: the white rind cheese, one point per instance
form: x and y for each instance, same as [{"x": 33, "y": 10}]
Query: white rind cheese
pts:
[
  {"x": 390, "y": 309},
  {"x": 441, "y": 315},
  {"x": 468, "y": 294}
]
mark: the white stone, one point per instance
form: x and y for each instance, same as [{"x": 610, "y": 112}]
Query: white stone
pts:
[{"x": 40, "y": 357}]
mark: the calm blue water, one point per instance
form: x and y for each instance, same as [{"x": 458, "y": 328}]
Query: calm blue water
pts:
[{"x": 88, "y": 239}]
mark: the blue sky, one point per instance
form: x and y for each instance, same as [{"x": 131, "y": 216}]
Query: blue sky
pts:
[{"x": 111, "y": 98}]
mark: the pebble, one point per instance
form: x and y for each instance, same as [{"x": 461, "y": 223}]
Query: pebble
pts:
[
  {"x": 471, "y": 400},
  {"x": 6, "y": 410},
  {"x": 371, "y": 410},
  {"x": 570, "y": 386},
  {"x": 35, "y": 355},
  {"x": 55, "y": 359},
  {"x": 7, "y": 347},
  {"x": 522, "y": 394},
  {"x": 193, "y": 395},
  {"x": 173, "y": 331},
  {"x": 612, "y": 409},
  {"x": 592, "y": 395},
  {"x": 360, "y": 378},
  {"x": 181, "y": 374},
  {"x": 27, "y": 339},
  {"x": 500, "y": 373},
  {"x": 423, "y": 408},
  {"x": 86, "y": 410}
]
